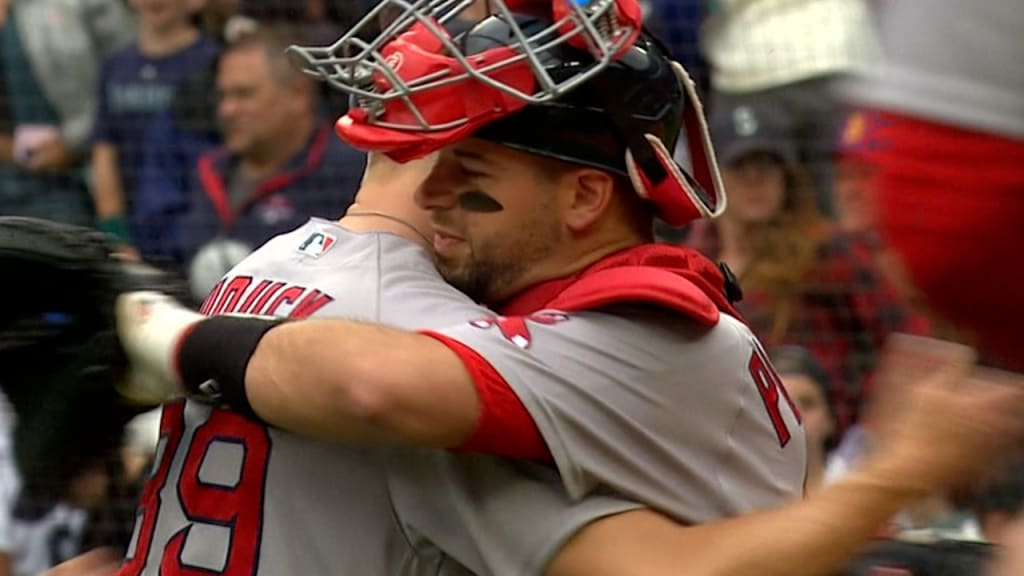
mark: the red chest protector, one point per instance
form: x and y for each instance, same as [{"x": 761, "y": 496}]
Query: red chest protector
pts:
[{"x": 673, "y": 277}]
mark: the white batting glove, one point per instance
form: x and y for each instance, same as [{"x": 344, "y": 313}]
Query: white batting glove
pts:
[{"x": 149, "y": 326}]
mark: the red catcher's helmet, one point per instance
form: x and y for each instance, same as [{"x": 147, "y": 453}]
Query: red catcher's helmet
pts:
[{"x": 575, "y": 80}]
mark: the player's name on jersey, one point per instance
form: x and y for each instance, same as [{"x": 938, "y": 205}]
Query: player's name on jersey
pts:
[{"x": 263, "y": 297}]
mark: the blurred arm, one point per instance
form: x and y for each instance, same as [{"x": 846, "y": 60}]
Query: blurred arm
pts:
[
  {"x": 817, "y": 536},
  {"x": 937, "y": 430}
]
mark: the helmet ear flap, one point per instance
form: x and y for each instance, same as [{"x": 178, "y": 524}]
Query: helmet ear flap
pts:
[
  {"x": 680, "y": 197},
  {"x": 677, "y": 195},
  {"x": 698, "y": 144}
]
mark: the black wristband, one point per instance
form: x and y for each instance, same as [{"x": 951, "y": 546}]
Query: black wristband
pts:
[{"x": 215, "y": 353}]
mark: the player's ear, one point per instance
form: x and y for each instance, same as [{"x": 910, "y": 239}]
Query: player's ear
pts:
[{"x": 590, "y": 194}]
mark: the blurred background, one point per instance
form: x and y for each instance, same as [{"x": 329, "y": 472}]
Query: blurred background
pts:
[{"x": 180, "y": 127}]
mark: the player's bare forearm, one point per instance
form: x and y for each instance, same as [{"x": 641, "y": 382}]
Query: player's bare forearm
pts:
[
  {"x": 815, "y": 537},
  {"x": 347, "y": 381}
]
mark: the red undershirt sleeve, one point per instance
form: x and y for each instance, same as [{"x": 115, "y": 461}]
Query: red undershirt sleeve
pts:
[{"x": 505, "y": 427}]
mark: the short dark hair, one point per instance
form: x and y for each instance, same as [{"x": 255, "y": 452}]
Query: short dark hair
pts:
[{"x": 275, "y": 38}]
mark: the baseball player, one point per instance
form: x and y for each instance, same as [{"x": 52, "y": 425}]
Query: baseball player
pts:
[
  {"x": 229, "y": 494},
  {"x": 692, "y": 419},
  {"x": 600, "y": 329},
  {"x": 415, "y": 393},
  {"x": 464, "y": 506}
]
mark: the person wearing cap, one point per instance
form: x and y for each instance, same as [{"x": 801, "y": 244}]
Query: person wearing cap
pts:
[
  {"x": 788, "y": 56},
  {"x": 805, "y": 281}
]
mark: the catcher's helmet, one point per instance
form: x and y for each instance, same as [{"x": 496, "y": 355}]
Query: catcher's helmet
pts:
[
  {"x": 580, "y": 83},
  {"x": 625, "y": 120}
]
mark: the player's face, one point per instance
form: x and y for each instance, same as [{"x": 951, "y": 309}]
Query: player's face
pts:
[
  {"x": 756, "y": 185},
  {"x": 494, "y": 218}
]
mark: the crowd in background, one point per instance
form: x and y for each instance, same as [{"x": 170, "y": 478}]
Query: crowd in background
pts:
[{"x": 181, "y": 128}]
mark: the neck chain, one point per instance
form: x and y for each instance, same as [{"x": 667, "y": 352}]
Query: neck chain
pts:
[{"x": 385, "y": 216}]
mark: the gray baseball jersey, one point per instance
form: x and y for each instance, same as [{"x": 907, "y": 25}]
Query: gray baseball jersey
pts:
[
  {"x": 229, "y": 496},
  {"x": 690, "y": 421}
]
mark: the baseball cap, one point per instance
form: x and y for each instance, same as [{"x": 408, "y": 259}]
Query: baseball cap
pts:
[{"x": 739, "y": 130}]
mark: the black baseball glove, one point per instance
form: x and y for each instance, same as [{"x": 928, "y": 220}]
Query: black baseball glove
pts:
[{"x": 59, "y": 352}]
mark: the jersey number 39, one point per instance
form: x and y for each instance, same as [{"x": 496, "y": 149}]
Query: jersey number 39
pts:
[{"x": 216, "y": 529}]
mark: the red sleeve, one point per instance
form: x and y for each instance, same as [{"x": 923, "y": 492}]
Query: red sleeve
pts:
[{"x": 505, "y": 427}]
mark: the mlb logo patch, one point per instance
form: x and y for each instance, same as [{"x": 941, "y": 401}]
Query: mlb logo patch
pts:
[{"x": 317, "y": 244}]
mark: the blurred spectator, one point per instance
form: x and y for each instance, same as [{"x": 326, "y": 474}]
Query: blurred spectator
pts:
[
  {"x": 323, "y": 20},
  {"x": 786, "y": 56},
  {"x": 113, "y": 511},
  {"x": 51, "y": 55},
  {"x": 45, "y": 537},
  {"x": 852, "y": 197},
  {"x": 96, "y": 510},
  {"x": 281, "y": 162},
  {"x": 947, "y": 150},
  {"x": 136, "y": 83},
  {"x": 179, "y": 136},
  {"x": 807, "y": 386},
  {"x": 805, "y": 282}
]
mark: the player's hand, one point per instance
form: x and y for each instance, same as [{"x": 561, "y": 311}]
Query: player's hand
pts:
[
  {"x": 939, "y": 421},
  {"x": 149, "y": 326}
]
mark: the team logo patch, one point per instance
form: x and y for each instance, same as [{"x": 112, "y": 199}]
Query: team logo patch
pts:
[
  {"x": 317, "y": 244},
  {"x": 516, "y": 329}
]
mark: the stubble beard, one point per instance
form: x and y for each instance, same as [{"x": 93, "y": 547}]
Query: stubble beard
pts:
[{"x": 488, "y": 272}]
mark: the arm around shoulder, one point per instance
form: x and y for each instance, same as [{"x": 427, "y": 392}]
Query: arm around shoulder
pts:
[{"x": 348, "y": 381}]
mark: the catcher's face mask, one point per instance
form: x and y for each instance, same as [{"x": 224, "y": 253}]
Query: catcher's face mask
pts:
[
  {"x": 437, "y": 73},
  {"x": 416, "y": 82}
]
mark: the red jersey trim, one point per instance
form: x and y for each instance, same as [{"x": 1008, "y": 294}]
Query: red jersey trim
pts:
[{"x": 505, "y": 427}]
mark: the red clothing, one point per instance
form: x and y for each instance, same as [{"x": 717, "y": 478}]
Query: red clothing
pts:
[
  {"x": 951, "y": 203},
  {"x": 845, "y": 310}
]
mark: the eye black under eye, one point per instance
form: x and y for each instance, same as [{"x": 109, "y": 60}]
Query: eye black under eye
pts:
[{"x": 477, "y": 201}]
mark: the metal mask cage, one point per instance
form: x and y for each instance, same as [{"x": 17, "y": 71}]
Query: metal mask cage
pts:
[{"x": 352, "y": 64}]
